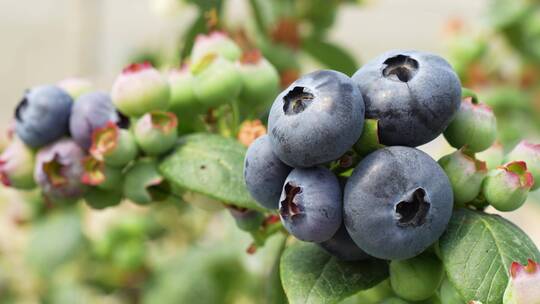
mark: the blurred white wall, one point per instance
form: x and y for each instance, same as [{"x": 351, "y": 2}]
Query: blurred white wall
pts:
[{"x": 44, "y": 41}]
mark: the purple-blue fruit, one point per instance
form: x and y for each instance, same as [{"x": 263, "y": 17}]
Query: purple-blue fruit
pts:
[
  {"x": 343, "y": 247},
  {"x": 310, "y": 205},
  {"x": 397, "y": 202},
  {"x": 42, "y": 116},
  {"x": 59, "y": 170},
  {"x": 90, "y": 111},
  {"x": 316, "y": 119},
  {"x": 264, "y": 173},
  {"x": 413, "y": 94}
]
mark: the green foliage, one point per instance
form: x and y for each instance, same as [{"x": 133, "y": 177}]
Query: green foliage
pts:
[
  {"x": 477, "y": 251},
  {"x": 310, "y": 275},
  {"x": 211, "y": 165},
  {"x": 54, "y": 240}
]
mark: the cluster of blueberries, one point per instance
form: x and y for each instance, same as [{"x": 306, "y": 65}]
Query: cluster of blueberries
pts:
[
  {"x": 75, "y": 142},
  {"x": 340, "y": 165}
]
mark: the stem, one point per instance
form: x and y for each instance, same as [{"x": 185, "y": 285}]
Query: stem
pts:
[{"x": 235, "y": 117}]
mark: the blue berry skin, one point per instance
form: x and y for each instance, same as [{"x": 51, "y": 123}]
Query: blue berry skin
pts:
[
  {"x": 414, "y": 95},
  {"x": 264, "y": 173},
  {"x": 42, "y": 116},
  {"x": 343, "y": 247},
  {"x": 397, "y": 202},
  {"x": 310, "y": 205},
  {"x": 90, "y": 111},
  {"x": 316, "y": 119}
]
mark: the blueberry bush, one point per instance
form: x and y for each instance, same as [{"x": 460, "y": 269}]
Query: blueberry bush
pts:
[{"x": 337, "y": 201}]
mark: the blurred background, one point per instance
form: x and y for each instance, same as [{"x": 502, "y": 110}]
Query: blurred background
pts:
[{"x": 175, "y": 253}]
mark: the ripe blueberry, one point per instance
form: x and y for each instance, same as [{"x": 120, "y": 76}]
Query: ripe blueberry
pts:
[
  {"x": 397, "y": 202},
  {"x": 42, "y": 116},
  {"x": 413, "y": 94},
  {"x": 264, "y": 173},
  {"x": 316, "y": 119},
  {"x": 342, "y": 246},
  {"x": 90, "y": 111},
  {"x": 59, "y": 170},
  {"x": 311, "y": 203}
]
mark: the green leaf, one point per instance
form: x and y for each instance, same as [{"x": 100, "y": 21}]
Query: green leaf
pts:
[
  {"x": 55, "y": 240},
  {"x": 310, "y": 275},
  {"x": 212, "y": 165},
  {"x": 330, "y": 55},
  {"x": 477, "y": 250}
]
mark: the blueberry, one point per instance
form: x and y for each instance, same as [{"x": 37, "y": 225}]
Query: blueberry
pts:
[
  {"x": 42, "y": 116},
  {"x": 342, "y": 246},
  {"x": 413, "y": 94},
  {"x": 90, "y": 111},
  {"x": 264, "y": 173},
  {"x": 397, "y": 202},
  {"x": 316, "y": 119},
  {"x": 310, "y": 204},
  {"x": 59, "y": 170}
]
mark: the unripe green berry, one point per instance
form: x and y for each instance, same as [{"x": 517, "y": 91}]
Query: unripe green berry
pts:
[
  {"x": 449, "y": 294},
  {"x": 473, "y": 127},
  {"x": 183, "y": 101},
  {"x": 530, "y": 154},
  {"x": 217, "y": 81},
  {"x": 506, "y": 188},
  {"x": 17, "y": 166},
  {"x": 98, "y": 174},
  {"x": 369, "y": 140},
  {"x": 218, "y": 43},
  {"x": 156, "y": 132},
  {"x": 260, "y": 81},
  {"x": 140, "y": 89},
  {"x": 466, "y": 175},
  {"x": 418, "y": 278},
  {"x": 143, "y": 184},
  {"x": 114, "y": 146},
  {"x": 246, "y": 219}
]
